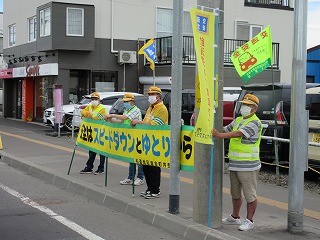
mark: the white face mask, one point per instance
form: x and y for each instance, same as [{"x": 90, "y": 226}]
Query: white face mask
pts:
[
  {"x": 245, "y": 110},
  {"x": 152, "y": 99},
  {"x": 94, "y": 103}
]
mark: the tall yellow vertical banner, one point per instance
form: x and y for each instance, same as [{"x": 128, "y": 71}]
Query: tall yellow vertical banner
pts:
[{"x": 203, "y": 32}]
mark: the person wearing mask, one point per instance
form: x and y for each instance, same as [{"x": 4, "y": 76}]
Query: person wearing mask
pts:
[
  {"x": 130, "y": 113},
  {"x": 157, "y": 114},
  {"x": 244, "y": 161},
  {"x": 94, "y": 111}
]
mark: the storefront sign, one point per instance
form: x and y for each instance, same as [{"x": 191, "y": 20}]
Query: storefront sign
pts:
[
  {"x": 7, "y": 73},
  {"x": 32, "y": 71},
  {"x": 36, "y": 70}
]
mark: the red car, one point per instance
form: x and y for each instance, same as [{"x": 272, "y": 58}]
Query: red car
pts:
[{"x": 229, "y": 100}]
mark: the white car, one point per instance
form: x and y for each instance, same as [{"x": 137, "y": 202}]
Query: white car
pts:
[{"x": 106, "y": 98}]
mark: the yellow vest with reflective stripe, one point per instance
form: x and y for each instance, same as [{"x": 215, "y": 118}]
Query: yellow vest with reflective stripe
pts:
[
  {"x": 244, "y": 152},
  {"x": 96, "y": 112}
]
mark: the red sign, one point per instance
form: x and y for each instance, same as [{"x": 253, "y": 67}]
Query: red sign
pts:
[{"x": 6, "y": 73}]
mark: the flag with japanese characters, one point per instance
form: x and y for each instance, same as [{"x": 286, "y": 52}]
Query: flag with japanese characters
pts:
[
  {"x": 254, "y": 56},
  {"x": 203, "y": 31},
  {"x": 149, "y": 51}
]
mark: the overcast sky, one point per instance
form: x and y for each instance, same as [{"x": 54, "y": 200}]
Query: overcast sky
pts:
[{"x": 313, "y": 38}]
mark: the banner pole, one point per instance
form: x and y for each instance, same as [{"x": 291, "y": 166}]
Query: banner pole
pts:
[
  {"x": 154, "y": 75},
  {"x": 74, "y": 150},
  {"x": 106, "y": 177},
  {"x": 134, "y": 174}
]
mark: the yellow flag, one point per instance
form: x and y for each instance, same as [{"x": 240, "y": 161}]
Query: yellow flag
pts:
[
  {"x": 203, "y": 31},
  {"x": 254, "y": 56}
]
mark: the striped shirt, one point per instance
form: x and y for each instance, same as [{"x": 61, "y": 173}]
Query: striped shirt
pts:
[
  {"x": 251, "y": 133},
  {"x": 157, "y": 114},
  {"x": 133, "y": 113}
]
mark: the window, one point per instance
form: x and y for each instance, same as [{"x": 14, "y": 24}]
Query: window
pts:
[
  {"x": 12, "y": 35},
  {"x": 45, "y": 22},
  {"x": 75, "y": 22},
  {"x": 246, "y": 31},
  {"x": 165, "y": 20},
  {"x": 32, "y": 28}
]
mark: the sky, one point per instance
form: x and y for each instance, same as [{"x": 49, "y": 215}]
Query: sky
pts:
[{"x": 313, "y": 32}]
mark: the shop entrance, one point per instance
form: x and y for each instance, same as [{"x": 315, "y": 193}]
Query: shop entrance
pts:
[{"x": 12, "y": 95}]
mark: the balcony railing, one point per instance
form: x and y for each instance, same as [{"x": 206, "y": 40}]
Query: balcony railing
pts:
[
  {"x": 284, "y": 4},
  {"x": 164, "y": 51}
]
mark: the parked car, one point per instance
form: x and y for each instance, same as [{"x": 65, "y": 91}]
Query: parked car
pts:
[
  {"x": 140, "y": 101},
  {"x": 107, "y": 99},
  {"x": 187, "y": 103},
  {"x": 230, "y": 96},
  {"x": 277, "y": 105}
]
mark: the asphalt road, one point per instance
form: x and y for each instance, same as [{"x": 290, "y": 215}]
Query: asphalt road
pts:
[{"x": 32, "y": 209}]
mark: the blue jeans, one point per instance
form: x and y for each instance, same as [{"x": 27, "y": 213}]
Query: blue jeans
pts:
[
  {"x": 132, "y": 167},
  {"x": 92, "y": 157}
]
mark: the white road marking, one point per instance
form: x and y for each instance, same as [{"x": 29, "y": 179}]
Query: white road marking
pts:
[{"x": 68, "y": 223}]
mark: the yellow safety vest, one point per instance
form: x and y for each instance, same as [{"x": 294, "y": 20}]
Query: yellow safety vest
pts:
[
  {"x": 244, "y": 152},
  {"x": 96, "y": 111}
]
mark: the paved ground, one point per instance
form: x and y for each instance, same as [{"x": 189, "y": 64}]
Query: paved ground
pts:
[{"x": 28, "y": 148}]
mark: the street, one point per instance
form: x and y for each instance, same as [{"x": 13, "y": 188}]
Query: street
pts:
[
  {"x": 38, "y": 211},
  {"x": 30, "y": 144}
]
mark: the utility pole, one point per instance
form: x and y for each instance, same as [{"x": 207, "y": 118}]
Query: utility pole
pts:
[
  {"x": 218, "y": 123},
  {"x": 299, "y": 119},
  {"x": 174, "y": 182},
  {"x": 202, "y": 151}
]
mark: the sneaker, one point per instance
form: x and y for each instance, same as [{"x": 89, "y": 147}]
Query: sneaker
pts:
[
  {"x": 231, "y": 220},
  {"x": 146, "y": 192},
  {"x": 86, "y": 170},
  {"x": 99, "y": 171},
  {"x": 246, "y": 225},
  {"x": 138, "y": 182},
  {"x": 152, "y": 195},
  {"x": 127, "y": 181}
]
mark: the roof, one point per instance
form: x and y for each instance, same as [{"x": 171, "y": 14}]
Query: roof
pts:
[{"x": 313, "y": 48}]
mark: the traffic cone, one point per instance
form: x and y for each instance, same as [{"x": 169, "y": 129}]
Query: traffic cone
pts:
[{"x": 0, "y": 143}]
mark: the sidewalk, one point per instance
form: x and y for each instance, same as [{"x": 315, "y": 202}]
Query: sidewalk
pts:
[{"x": 48, "y": 158}]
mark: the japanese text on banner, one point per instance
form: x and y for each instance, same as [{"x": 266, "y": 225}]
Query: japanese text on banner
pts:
[
  {"x": 203, "y": 30},
  {"x": 142, "y": 144}
]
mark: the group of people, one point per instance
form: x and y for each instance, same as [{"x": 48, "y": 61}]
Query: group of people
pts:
[
  {"x": 157, "y": 114},
  {"x": 244, "y": 161}
]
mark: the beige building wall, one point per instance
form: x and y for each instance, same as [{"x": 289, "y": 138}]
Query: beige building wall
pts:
[{"x": 131, "y": 20}]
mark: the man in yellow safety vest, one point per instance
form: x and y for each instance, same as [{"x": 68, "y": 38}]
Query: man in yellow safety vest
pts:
[
  {"x": 94, "y": 111},
  {"x": 244, "y": 160}
]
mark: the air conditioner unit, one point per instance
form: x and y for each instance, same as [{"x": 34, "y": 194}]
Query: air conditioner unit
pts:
[{"x": 127, "y": 56}]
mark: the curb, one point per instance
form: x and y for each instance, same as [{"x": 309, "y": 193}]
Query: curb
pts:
[{"x": 173, "y": 224}]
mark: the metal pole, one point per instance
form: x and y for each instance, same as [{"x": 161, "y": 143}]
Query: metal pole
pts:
[
  {"x": 174, "y": 183},
  {"x": 124, "y": 77},
  {"x": 74, "y": 151},
  {"x": 298, "y": 121}
]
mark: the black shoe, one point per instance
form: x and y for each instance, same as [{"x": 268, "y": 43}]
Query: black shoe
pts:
[
  {"x": 86, "y": 170},
  {"x": 143, "y": 194},
  {"x": 99, "y": 171}
]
